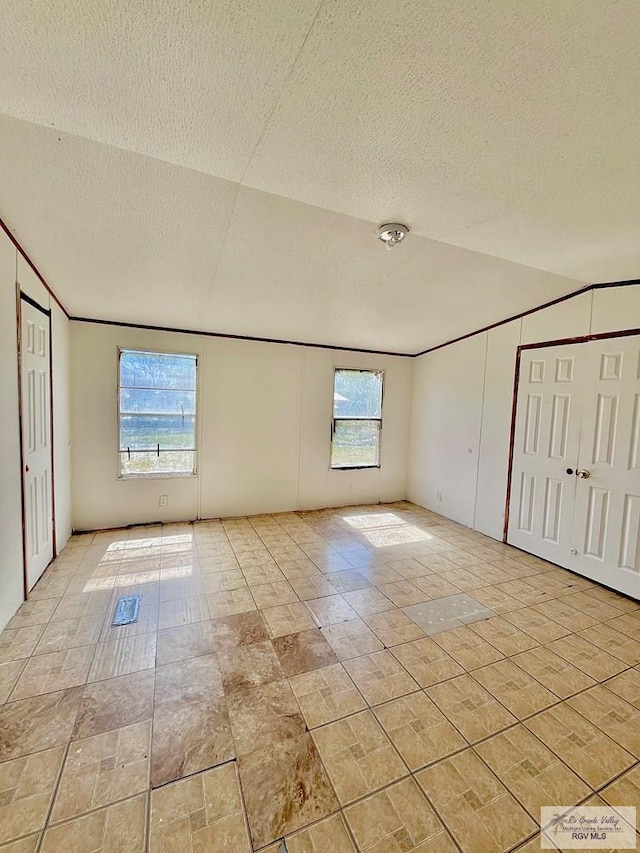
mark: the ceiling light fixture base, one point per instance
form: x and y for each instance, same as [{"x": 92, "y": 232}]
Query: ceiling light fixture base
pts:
[{"x": 392, "y": 233}]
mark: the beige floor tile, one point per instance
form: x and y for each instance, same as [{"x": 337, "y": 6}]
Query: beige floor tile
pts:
[
  {"x": 120, "y": 657},
  {"x": 379, "y": 677},
  {"x": 9, "y": 674},
  {"x": 467, "y": 580},
  {"x": 536, "y": 624},
  {"x": 481, "y": 814},
  {"x": 608, "y": 638},
  {"x": 191, "y": 730},
  {"x": 17, "y": 643},
  {"x": 397, "y": 819},
  {"x": 358, "y": 756},
  {"x": 199, "y": 814},
  {"x": 590, "y": 659},
  {"x": 514, "y": 688},
  {"x": 285, "y": 788},
  {"x": 222, "y": 581},
  {"x": 584, "y": 748},
  {"x": 496, "y": 599},
  {"x": 119, "y": 828},
  {"x": 55, "y": 671},
  {"x": 607, "y": 596},
  {"x": 103, "y": 769},
  {"x": 185, "y": 641},
  {"x": 264, "y": 715},
  {"x": 273, "y": 594},
  {"x": 627, "y": 686},
  {"x": 38, "y": 723},
  {"x": 287, "y": 619},
  {"x": 351, "y": 639},
  {"x": 379, "y": 574},
  {"x": 564, "y": 614},
  {"x": 348, "y": 580},
  {"x": 329, "y": 834},
  {"x": 78, "y": 606},
  {"x": 628, "y": 624},
  {"x": 24, "y": 845},
  {"x": 394, "y": 627},
  {"x": 256, "y": 575},
  {"x": 26, "y": 788},
  {"x": 34, "y": 613},
  {"x": 326, "y": 694},
  {"x": 471, "y": 709},
  {"x": 366, "y": 602},
  {"x": 435, "y": 586},
  {"x": 241, "y": 629},
  {"x": 418, "y": 730},
  {"x": 533, "y": 774},
  {"x": 330, "y": 610},
  {"x": 115, "y": 703},
  {"x": 625, "y": 790},
  {"x": 311, "y": 586},
  {"x": 183, "y": 611},
  {"x": 524, "y": 591},
  {"x": 612, "y": 715},
  {"x": 503, "y": 635},
  {"x": 249, "y": 666},
  {"x": 467, "y": 648},
  {"x": 553, "y": 672},
  {"x": 403, "y": 593},
  {"x": 599, "y": 608},
  {"x": 303, "y": 652},
  {"x": 426, "y": 661},
  {"x": 231, "y": 601},
  {"x": 298, "y": 568}
]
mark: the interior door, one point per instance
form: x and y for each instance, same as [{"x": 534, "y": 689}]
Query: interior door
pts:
[
  {"x": 36, "y": 439},
  {"x": 607, "y": 504},
  {"x": 546, "y": 446}
]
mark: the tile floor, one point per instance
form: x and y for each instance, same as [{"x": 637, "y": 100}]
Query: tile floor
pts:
[{"x": 275, "y": 696}]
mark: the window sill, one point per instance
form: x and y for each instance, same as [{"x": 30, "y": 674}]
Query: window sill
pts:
[
  {"x": 159, "y": 476},
  {"x": 353, "y": 467}
]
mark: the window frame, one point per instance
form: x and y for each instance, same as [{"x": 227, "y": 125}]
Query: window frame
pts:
[
  {"x": 335, "y": 418},
  {"x": 157, "y": 475}
]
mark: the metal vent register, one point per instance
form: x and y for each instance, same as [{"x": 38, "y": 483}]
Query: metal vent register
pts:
[{"x": 127, "y": 610}]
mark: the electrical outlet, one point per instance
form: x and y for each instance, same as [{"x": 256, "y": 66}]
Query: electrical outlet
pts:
[
  {"x": 164, "y": 500},
  {"x": 439, "y": 497}
]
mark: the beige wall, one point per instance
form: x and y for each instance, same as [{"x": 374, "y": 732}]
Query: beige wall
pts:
[
  {"x": 264, "y": 416},
  {"x": 12, "y": 268},
  {"x": 462, "y": 399}
]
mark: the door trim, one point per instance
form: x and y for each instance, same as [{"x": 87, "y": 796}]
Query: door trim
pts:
[
  {"x": 539, "y": 345},
  {"x": 20, "y": 296}
]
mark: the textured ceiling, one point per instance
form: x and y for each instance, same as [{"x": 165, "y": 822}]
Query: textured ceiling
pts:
[{"x": 278, "y": 134}]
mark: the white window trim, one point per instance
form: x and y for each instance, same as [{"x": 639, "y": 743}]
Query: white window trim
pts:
[
  {"x": 382, "y": 375},
  {"x": 157, "y": 475}
]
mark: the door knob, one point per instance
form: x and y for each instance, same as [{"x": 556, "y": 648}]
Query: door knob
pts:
[{"x": 583, "y": 473}]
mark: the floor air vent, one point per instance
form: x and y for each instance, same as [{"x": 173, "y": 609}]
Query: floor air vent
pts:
[{"x": 127, "y": 610}]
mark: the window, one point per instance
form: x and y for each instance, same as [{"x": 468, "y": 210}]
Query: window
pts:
[
  {"x": 157, "y": 413},
  {"x": 357, "y": 419}
]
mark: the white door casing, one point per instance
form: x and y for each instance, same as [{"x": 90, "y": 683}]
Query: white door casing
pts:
[
  {"x": 546, "y": 442},
  {"x": 580, "y": 403},
  {"x": 35, "y": 370}
]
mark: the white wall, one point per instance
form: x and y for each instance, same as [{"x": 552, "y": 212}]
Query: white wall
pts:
[
  {"x": 13, "y": 268},
  {"x": 11, "y": 567},
  {"x": 447, "y": 417},
  {"x": 264, "y": 415},
  {"x": 463, "y": 396}
]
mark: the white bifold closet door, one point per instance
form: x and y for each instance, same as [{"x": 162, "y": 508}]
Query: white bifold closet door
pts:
[
  {"x": 575, "y": 481},
  {"x": 36, "y": 439}
]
